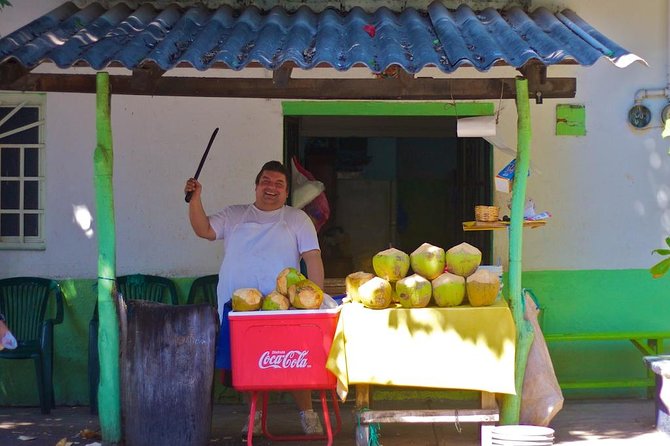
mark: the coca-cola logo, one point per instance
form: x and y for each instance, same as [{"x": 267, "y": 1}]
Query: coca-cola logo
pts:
[{"x": 280, "y": 359}]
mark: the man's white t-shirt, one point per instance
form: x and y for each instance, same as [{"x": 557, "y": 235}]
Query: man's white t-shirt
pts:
[
  {"x": 299, "y": 225},
  {"x": 224, "y": 221}
]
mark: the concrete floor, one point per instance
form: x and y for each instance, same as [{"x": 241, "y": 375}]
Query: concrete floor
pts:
[{"x": 626, "y": 422}]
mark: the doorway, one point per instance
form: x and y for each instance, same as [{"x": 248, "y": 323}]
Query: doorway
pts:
[{"x": 392, "y": 181}]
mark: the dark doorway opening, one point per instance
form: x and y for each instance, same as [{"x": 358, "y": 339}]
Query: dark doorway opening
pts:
[{"x": 392, "y": 181}]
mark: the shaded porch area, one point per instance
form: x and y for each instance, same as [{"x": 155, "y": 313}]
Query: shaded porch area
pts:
[{"x": 595, "y": 422}]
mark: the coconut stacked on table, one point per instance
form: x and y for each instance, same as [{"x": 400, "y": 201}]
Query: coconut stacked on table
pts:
[
  {"x": 481, "y": 285},
  {"x": 293, "y": 290},
  {"x": 447, "y": 277}
]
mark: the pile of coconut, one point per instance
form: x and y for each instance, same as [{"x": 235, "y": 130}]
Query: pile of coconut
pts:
[
  {"x": 293, "y": 290},
  {"x": 448, "y": 278}
]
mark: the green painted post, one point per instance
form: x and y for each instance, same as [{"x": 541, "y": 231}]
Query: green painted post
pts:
[
  {"x": 109, "y": 396},
  {"x": 512, "y": 403}
]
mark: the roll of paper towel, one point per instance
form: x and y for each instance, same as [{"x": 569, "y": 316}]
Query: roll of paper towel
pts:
[{"x": 476, "y": 126}]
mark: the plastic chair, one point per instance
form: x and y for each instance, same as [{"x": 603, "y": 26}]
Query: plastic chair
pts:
[
  {"x": 132, "y": 287},
  {"x": 24, "y": 301},
  {"x": 203, "y": 289}
]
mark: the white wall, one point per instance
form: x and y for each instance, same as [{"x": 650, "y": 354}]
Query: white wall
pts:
[{"x": 609, "y": 192}]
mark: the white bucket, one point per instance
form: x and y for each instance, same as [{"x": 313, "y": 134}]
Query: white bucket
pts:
[{"x": 522, "y": 435}]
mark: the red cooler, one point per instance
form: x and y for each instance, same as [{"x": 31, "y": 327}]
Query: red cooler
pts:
[{"x": 284, "y": 350}]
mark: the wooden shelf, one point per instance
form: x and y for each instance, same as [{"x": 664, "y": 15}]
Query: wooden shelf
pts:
[{"x": 489, "y": 226}]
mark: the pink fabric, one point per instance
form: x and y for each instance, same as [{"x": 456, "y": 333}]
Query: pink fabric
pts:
[{"x": 318, "y": 209}]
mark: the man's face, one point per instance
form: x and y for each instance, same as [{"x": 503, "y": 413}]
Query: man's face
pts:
[{"x": 271, "y": 191}]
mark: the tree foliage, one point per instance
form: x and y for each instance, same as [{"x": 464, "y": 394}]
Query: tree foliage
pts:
[{"x": 662, "y": 267}]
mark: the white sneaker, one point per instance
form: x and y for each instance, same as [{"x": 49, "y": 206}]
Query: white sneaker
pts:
[
  {"x": 258, "y": 429},
  {"x": 311, "y": 425}
]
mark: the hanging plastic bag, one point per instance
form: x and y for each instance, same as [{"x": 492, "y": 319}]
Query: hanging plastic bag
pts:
[
  {"x": 541, "y": 397},
  {"x": 309, "y": 194},
  {"x": 7, "y": 340}
]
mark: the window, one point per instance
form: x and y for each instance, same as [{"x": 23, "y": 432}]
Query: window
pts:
[{"x": 22, "y": 171}]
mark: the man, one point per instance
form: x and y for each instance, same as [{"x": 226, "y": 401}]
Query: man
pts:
[{"x": 260, "y": 240}]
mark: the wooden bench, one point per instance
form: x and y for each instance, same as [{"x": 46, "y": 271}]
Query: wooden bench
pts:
[{"x": 648, "y": 343}]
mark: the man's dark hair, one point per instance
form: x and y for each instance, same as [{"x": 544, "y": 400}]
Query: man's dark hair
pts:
[{"x": 273, "y": 166}]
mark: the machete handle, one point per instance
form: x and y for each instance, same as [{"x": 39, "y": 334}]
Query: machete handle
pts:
[{"x": 188, "y": 196}]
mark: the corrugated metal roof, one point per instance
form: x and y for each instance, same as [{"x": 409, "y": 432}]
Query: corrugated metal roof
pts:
[{"x": 200, "y": 37}]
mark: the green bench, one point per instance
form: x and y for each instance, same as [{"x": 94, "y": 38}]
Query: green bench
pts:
[{"x": 648, "y": 343}]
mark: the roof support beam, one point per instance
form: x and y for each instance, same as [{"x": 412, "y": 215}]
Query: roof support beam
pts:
[
  {"x": 10, "y": 72},
  {"x": 404, "y": 77},
  {"x": 399, "y": 89},
  {"x": 145, "y": 76},
  {"x": 536, "y": 74},
  {"x": 281, "y": 76}
]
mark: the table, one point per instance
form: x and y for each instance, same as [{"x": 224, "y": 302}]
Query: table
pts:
[{"x": 464, "y": 347}]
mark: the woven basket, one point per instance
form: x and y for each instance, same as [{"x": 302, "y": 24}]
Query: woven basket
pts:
[{"x": 486, "y": 213}]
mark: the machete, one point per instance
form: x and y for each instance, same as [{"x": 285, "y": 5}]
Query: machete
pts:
[{"x": 202, "y": 161}]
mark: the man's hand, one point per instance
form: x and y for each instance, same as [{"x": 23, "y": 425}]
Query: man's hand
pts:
[
  {"x": 196, "y": 213},
  {"x": 193, "y": 186}
]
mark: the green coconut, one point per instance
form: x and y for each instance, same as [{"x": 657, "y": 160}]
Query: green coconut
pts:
[
  {"x": 275, "y": 301},
  {"x": 353, "y": 281},
  {"x": 482, "y": 287},
  {"x": 448, "y": 290},
  {"x": 375, "y": 293},
  {"x": 391, "y": 264},
  {"x": 247, "y": 299},
  {"x": 463, "y": 259},
  {"x": 305, "y": 295},
  {"x": 413, "y": 291},
  {"x": 428, "y": 261},
  {"x": 288, "y": 277}
]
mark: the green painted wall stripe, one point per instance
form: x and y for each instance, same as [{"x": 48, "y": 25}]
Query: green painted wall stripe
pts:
[
  {"x": 600, "y": 300},
  {"x": 372, "y": 108}
]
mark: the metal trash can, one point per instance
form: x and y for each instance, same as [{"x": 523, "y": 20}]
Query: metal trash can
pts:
[{"x": 167, "y": 373}]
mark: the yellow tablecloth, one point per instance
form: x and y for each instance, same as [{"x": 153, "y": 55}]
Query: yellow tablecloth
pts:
[{"x": 449, "y": 348}]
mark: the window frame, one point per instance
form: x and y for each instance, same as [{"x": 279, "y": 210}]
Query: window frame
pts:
[{"x": 23, "y": 242}]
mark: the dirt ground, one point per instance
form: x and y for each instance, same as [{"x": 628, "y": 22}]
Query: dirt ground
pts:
[{"x": 582, "y": 422}]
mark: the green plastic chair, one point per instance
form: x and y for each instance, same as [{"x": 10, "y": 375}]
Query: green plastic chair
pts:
[
  {"x": 203, "y": 290},
  {"x": 24, "y": 301},
  {"x": 132, "y": 287}
]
